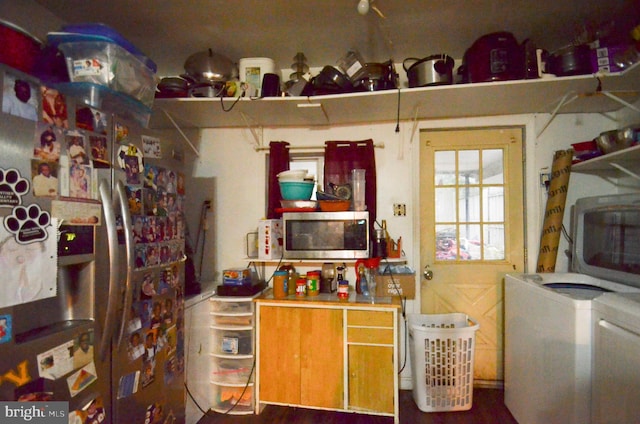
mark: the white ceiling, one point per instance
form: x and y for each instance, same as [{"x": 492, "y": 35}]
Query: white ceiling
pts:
[{"x": 168, "y": 31}]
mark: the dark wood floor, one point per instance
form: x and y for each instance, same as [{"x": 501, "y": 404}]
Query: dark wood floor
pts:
[{"x": 487, "y": 408}]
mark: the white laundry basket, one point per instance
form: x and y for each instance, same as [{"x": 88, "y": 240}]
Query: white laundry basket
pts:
[{"x": 442, "y": 350}]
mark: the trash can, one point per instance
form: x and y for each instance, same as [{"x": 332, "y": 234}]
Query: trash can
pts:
[{"x": 442, "y": 350}]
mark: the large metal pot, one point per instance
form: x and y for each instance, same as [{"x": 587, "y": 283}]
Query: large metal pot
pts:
[
  {"x": 376, "y": 77},
  {"x": 432, "y": 70},
  {"x": 206, "y": 67},
  {"x": 571, "y": 60}
]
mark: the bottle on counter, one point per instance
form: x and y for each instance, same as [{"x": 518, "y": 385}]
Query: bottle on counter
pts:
[
  {"x": 293, "y": 277},
  {"x": 362, "y": 281}
]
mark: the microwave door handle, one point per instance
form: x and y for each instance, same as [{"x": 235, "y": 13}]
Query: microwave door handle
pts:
[
  {"x": 128, "y": 240},
  {"x": 114, "y": 265}
]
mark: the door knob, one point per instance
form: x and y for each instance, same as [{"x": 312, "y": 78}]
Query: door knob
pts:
[{"x": 427, "y": 273}]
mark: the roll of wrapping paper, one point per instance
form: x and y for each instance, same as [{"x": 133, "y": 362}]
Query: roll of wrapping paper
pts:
[{"x": 554, "y": 212}]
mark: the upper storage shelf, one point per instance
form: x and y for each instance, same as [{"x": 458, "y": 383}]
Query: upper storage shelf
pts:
[
  {"x": 577, "y": 94},
  {"x": 621, "y": 162}
]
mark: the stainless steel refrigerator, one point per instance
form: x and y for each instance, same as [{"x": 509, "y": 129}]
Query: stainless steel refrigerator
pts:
[{"x": 92, "y": 268}]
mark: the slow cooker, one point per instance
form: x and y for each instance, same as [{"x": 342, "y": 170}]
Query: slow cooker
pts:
[
  {"x": 436, "y": 69},
  {"x": 494, "y": 57}
]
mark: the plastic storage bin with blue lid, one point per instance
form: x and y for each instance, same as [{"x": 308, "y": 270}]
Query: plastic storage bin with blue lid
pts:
[{"x": 102, "y": 30}]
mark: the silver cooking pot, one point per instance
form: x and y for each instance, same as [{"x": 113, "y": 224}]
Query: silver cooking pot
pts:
[
  {"x": 206, "y": 67},
  {"x": 432, "y": 70}
]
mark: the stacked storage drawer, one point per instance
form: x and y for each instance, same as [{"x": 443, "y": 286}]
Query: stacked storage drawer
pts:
[{"x": 232, "y": 327}]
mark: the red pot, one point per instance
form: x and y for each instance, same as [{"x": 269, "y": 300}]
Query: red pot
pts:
[{"x": 18, "y": 48}]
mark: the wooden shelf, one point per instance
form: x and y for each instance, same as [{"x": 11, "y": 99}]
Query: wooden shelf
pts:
[
  {"x": 579, "y": 94},
  {"x": 320, "y": 261}
]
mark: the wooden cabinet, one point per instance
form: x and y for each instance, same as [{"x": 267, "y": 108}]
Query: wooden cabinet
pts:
[
  {"x": 301, "y": 356},
  {"x": 328, "y": 355}
]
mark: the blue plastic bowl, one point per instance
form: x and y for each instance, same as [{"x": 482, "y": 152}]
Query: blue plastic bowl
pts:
[{"x": 296, "y": 190}]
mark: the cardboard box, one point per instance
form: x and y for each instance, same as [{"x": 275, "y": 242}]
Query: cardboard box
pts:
[
  {"x": 270, "y": 239},
  {"x": 403, "y": 285},
  {"x": 603, "y": 58}
]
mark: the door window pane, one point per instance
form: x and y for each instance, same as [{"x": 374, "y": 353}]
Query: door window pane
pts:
[
  {"x": 470, "y": 242},
  {"x": 492, "y": 166},
  {"x": 494, "y": 242},
  {"x": 468, "y": 166},
  {"x": 469, "y": 205},
  {"x": 493, "y": 204},
  {"x": 446, "y": 243},
  {"x": 445, "y": 204},
  {"x": 445, "y": 168}
]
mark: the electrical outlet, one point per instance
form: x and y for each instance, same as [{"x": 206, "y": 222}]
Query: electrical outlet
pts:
[{"x": 399, "y": 209}]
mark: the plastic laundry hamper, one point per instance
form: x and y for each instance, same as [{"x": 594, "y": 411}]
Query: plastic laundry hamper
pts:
[{"x": 442, "y": 350}]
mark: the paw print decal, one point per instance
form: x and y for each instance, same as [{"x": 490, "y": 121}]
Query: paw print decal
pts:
[
  {"x": 12, "y": 187},
  {"x": 28, "y": 224}
]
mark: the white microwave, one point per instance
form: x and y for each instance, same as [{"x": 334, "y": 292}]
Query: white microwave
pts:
[
  {"x": 325, "y": 235},
  {"x": 606, "y": 238}
]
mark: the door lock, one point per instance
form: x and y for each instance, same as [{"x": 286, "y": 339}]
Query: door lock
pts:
[{"x": 427, "y": 273}]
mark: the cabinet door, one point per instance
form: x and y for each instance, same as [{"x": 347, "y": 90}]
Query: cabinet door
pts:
[
  {"x": 280, "y": 354},
  {"x": 370, "y": 339},
  {"x": 322, "y": 353},
  {"x": 371, "y": 378}
]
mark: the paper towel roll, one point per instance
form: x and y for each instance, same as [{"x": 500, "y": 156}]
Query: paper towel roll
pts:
[{"x": 554, "y": 212}]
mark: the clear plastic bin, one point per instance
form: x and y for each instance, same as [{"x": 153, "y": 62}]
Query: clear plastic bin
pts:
[
  {"x": 442, "y": 351},
  {"x": 232, "y": 307},
  {"x": 232, "y": 371},
  {"x": 232, "y": 342},
  {"x": 108, "y": 64},
  {"x": 236, "y": 398},
  {"x": 239, "y": 320},
  {"x": 101, "y": 97}
]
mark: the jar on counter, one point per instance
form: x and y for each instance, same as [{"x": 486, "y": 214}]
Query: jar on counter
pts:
[
  {"x": 301, "y": 287},
  {"x": 280, "y": 290},
  {"x": 343, "y": 289},
  {"x": 313, "y": 283}
]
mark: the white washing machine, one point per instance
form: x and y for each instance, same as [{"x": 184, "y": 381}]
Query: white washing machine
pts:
[
  {"x": 548, "y": 345},
  {"x": 616, "y": 359}
]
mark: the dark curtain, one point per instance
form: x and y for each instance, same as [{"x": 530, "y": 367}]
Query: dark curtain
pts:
[
  {"x": 340, "y": 157},
  {"x": 278, "y": 162}
]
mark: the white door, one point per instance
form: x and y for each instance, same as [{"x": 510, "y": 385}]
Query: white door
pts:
[{"x": 472, "y": 229}]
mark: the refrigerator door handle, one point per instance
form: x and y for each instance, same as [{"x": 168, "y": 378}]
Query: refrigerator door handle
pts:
[
  {"x": 114, "y": 265},
  {"x": 129, "y": 246}
]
